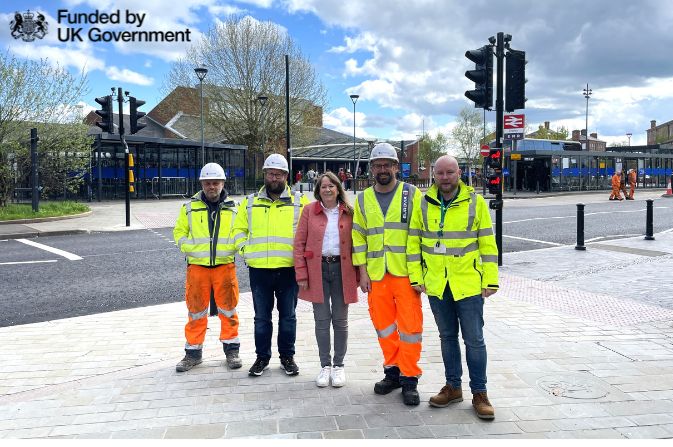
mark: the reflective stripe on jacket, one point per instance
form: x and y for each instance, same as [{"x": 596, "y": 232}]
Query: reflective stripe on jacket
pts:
[
  {"x": 381, "y": 242},
  {"x": 469, "y": 262},
  {"x": 192, "y": 233},
  {"x": 264, "y": 229}
]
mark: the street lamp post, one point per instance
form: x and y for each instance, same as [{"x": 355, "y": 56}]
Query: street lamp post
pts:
[
  {"x": 628, "y": 135},
  {"x": 262, "y": 101},
  {"x": 354, "y": 98},
  {"x": 587, "y": 93},
  {"x": 201, "y": 73}
]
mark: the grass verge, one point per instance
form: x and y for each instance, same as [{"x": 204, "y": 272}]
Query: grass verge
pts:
[{"x": 15, "y": 211}]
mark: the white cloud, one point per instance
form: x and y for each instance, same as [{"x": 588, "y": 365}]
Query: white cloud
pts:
[
  {"x": 341, "y": 120},
  {"x": 126, "y": 75}
]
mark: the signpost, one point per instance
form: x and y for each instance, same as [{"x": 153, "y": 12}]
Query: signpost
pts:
[
  {"x": 484, "y": 151},
  {"x": 514, "y": 126}
]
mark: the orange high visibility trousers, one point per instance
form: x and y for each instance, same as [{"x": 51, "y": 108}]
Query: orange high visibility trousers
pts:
[
  {"x": 396, "y": 312},
  {"x": 200, "y": 280}
]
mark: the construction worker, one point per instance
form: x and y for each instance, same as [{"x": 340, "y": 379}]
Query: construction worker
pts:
[
  {"x": 458, "y": 269},
  {"x": 202, "y": 232},
  {"x": 616, "y": 189},
  {"x": 380, "y": 229},
  {"x": 264, "y": 234},
  {"x": 632, "y": 183}
]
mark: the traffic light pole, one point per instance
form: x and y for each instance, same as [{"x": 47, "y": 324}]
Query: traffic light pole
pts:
[
  {"x": 499, "y": 122},
  {"x": 120, "y": 102}
]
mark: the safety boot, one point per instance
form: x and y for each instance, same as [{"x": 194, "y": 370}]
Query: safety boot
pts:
[
  {"x": 447, "y": 395},
  {"x": 482, "y": 406},
  {"x": 191, "y": 359},
  {"x": 233, "y": 360},
  {"x": 410, "y": 394},
  {"x": 390, "y": 382}
]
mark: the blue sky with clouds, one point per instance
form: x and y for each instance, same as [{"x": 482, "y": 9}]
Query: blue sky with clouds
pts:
[{"x": 405, "y": 58}]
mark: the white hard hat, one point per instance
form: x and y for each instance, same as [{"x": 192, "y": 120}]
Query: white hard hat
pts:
[
  {"x": 212, "y": 171},
  {"x": 383, "y": 150},
  {"x": 276, "y": 161}
]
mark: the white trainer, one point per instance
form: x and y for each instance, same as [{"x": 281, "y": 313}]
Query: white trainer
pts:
[
  {"x": 323, "y": 377},
  {"x": 338, "y": 376}
]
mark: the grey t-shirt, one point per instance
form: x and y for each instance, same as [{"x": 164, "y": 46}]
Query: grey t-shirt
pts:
[{"x": 385, "y": 198}]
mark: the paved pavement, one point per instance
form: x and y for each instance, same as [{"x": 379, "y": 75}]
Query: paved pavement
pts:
[{"x": 580, "y": 346}]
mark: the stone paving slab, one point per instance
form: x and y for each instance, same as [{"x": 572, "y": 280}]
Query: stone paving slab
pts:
[{"x": 139, "y": 394}]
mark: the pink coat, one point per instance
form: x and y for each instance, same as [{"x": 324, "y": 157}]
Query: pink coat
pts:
[{"x": 308, "y": 253}]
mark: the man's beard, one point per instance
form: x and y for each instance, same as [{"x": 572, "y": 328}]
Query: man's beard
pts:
[
  {"x": 276, "y": 188},
  {"x": 383, "y": 178}
]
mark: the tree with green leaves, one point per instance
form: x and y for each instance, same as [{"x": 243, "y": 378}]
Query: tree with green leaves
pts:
[
  {"x": 467, "y": 134},
  {"x": 543, "y": 133},
  {"x": 42, "y": 95},
  {"x": 431, "y": 148},
  {"x": 245, "y": 59}
]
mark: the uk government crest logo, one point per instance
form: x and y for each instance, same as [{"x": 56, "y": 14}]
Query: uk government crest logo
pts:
[{"x": 27, "y": 27}]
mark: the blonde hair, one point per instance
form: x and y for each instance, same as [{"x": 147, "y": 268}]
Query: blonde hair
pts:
[{"x": 341, "y": 193}]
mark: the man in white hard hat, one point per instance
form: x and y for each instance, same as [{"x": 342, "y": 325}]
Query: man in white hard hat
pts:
[
  {"x": 203, "y": 234},
  {"x": 381, "y": 225},
  {"x": 264, "y": 233}
]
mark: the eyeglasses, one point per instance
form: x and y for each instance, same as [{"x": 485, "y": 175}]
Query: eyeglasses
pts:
[
  {"x": 275, "y": 175},
  {"x": 382, "y": 166}
]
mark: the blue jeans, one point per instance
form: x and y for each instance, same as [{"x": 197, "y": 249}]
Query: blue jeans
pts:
[
  {"x": 469, "y": 313},
  {"x": 264, "y": 284}
]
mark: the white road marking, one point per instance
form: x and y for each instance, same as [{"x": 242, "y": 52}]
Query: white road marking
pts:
[
  {"x": 25, "y": 262},
  {"x": 534, "y": 240},
  {"x": 53, "y": 250}
]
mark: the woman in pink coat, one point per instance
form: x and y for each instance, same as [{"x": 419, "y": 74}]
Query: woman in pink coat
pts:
[{"x": 325, "y": 273}]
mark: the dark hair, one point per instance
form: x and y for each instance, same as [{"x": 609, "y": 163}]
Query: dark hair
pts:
[{"x": 341, "y": 193}]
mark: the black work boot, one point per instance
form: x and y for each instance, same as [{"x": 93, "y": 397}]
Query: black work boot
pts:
[
  {"x": 409, "y": 390},
  {"x": 390, "y": 382},
  {"x": 231, "y": 351},
  {"x": 191, "y": 359}
]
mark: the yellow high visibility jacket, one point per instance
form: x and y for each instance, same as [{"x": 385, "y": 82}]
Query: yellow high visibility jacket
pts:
[
  {"x": 264, "y": 229},
  {"x": 192, "y": 234},
  {"x": 381, "y": 241},
  {"x": 465, "y": 255}
]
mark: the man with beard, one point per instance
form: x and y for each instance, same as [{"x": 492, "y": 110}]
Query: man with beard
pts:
[
  {"x": 458, "y": 269},
  {"x": 264, "y": 234},
  {"x": 381, "y": 224},
  {"x": 202, "y": 232}
]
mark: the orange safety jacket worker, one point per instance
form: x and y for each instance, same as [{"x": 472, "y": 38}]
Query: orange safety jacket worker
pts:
[
  {"x": 394, "y": 306},
  {"x": 616, "y": 193},
  {"x": 632, "y": 183},
  {"x": 203, "y": 234}
]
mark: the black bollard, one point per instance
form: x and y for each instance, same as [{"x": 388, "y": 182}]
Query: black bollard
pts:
[
  {"x": 301, "y": 188},
  {"x": 649, "y": 227},
  {"x": 580, "y": 227}
]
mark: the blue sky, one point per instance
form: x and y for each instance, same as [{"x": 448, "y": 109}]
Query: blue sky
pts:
[{"x": 406, "y": 58}]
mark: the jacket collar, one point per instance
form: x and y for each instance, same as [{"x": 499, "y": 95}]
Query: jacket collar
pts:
[
  {"x": 463, "y": 193},
  {"x": 284, "y": 196}
]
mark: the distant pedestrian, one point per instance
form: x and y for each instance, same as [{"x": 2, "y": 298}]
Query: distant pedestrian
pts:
[
  {"x": 325, "y": 272},
  {"x": 298, "y": 177},
  {"x": 622, "y": 184},
  {"x": 616, "y": 189},
  {"x": 342, "y": 177},
  {"x": 202, "y": 232},
  {"x": 311, "y": 175},
  {"x": 632, "y": 183}
]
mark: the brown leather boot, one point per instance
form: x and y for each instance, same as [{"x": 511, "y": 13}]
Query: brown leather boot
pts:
[
  {"x": 447, "y": 395},
  {"x": 482, "y": 406}
]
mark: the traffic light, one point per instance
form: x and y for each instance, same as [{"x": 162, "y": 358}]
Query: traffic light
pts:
[
  {"x": 482, "y": 76},
  {"x": 105, "y": 113},
  {"x": 494, "y": 171},
  {"x": 135, "y": 115},
  {"x": 515, "y": 88}
]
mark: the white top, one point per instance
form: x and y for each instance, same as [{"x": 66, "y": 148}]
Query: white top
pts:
[{"x": 330, "y": 241}]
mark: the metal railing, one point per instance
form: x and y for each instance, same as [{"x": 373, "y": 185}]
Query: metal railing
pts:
[{"x": 170, "y": 186}]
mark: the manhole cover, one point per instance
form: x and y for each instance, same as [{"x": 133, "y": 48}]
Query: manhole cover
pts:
[{"x": 570, "y": 387}]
